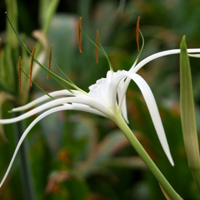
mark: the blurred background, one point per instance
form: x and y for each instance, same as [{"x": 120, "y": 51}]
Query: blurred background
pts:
[{"x": 80, "y": 156}]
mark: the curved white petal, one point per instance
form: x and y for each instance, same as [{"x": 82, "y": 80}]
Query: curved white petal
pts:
[
  {"x": 158, "y": 55},
  {"x": 148, "y": 59},
  {"x": 194, "y": 55},
  {"x": 122, "y": 101},
  {"x": 44, "y": 98},
  {"x": 153, "y": 110},
  {"x": 84, "y": 100},
  {"x": 105, "y": 90},
  {"x": 40, "y": 117},
  {"x": 82, "y": 107}
]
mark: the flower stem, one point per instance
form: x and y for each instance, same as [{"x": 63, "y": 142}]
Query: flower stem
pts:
[
  {"x": 143, "y": 154},
  {"x": 25, "y": 170}
]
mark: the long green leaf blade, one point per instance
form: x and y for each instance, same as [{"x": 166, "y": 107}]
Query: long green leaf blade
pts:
[{"x": 188, "y": 114}]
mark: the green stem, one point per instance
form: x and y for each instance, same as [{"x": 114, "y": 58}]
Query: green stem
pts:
[
  {"x": 25, "y": 170},
  {"x": 143, "y": 154}
]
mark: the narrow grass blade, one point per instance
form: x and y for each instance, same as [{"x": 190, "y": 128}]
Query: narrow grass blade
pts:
[{"x": 188, "y": 114}]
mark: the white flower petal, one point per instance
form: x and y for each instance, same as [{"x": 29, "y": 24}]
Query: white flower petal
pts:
[
  {"x": 194, "y": 55},
  {"x": 44, "y": 98},
  {"x": 82, "y": 107},
  {"x": 151, "y": 104},
  {"x": 158, "y": 55},
  {"x": 85, "y": 100},
  {"x": 105, "y": 90},
  {"x": 122, "y": 100},
  {"x": 40, "y": 117}
]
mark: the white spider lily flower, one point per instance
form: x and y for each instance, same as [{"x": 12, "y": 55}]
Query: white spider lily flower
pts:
[
  {"x": 100, "y": 100},
  {"x": 105, "y": 98}
]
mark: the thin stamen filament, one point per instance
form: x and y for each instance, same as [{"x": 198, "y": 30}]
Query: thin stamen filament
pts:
[
  {"x": 31, "y": 65},
  {"x": 97, "y": 49},
  {"x": 19, "y": 74},
  {"x": 50, "y": 56},
  {"x": 79, "y": 34},
  {"x": 138, "y": 33}
]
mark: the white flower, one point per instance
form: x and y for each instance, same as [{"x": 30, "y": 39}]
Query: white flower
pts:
[{"x": 105, "y": 98}]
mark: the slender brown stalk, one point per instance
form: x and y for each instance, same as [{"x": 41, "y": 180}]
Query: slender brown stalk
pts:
[
  {"x": 138, "y": 33},
  {"x": 79, "y": 34},
  {"x": 50, "y": 56}
]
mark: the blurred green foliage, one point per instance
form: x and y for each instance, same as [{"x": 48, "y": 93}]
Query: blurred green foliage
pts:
[{"x": 79, "y": 156}]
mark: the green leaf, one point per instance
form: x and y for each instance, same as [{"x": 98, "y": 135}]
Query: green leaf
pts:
[
  {"x": 188, "y": 114},
  {"x": 187, "y": 109}
]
